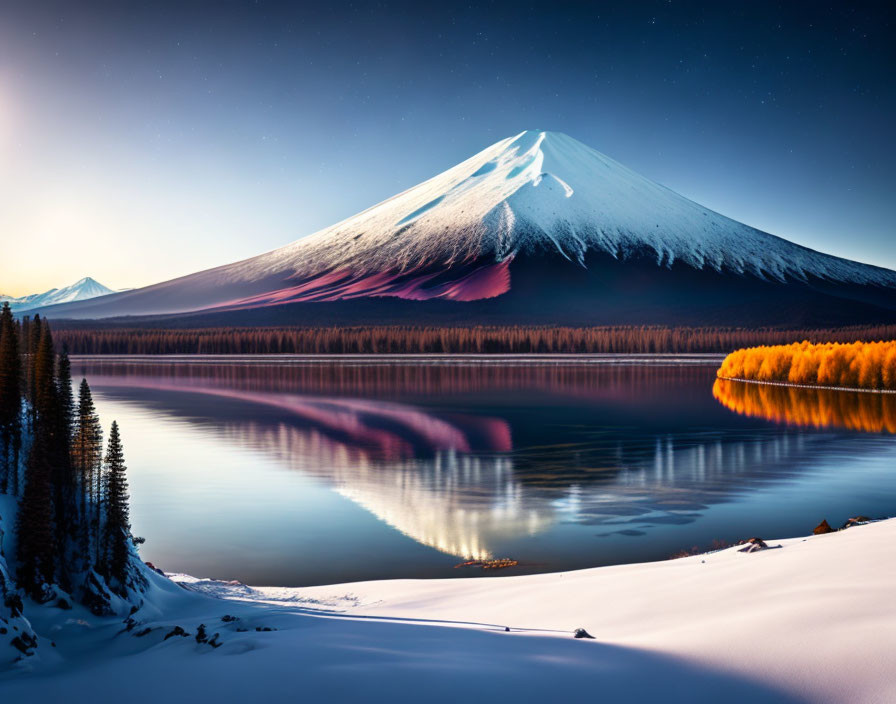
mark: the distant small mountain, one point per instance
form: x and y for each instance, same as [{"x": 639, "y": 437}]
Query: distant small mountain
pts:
[{"x": 78, "y": 291}]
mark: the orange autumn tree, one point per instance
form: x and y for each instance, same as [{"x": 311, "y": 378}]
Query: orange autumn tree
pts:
[{"x": 856, "y": 365}]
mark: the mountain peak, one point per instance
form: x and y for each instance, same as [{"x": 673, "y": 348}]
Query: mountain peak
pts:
[
  {"x": 81, "y": 290},
  {"x": 535, "y": 134},
  {"x": 543, "y": 191},
  {"x": 537, "y": 196}
]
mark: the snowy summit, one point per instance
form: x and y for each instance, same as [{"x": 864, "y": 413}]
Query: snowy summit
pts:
[
  {"x": 535, "y": 225},
  {"x": 545, "y": 191},
  {"x": 81, "y": 290}
]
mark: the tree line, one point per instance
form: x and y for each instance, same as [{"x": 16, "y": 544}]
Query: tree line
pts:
[
  {"x": 73, "y": 529},
  {"x": 436, "y": 340},
  {"x": 856, "y": 365}
]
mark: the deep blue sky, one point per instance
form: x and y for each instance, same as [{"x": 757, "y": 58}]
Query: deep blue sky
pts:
[{"x": 144, "y": 141}]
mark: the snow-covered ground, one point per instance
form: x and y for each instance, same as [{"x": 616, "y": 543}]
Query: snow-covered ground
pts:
[{"x": 810, "y": 619}]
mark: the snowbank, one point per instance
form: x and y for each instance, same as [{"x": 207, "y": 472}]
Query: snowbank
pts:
[{"x": 809, "y": 619}]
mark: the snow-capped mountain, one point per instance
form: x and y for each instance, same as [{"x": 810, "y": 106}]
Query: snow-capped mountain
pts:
[
  {"x": 544, "y": 191},
  {"x": 81, "y": 290},
  {"x": 524, "y": 222}
]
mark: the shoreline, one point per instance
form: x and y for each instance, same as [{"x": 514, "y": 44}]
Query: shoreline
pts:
[
  {"x": 183, "y": 578},
  {"x": 808, "y": 386},
  {"x": 435, "y": 358},
  {"x": 807, "y": 620}
]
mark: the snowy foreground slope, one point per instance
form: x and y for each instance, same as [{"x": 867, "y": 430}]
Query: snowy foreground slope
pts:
[
  {"x": 540, "y": 217},
  {"x": 811, "y": 620}
]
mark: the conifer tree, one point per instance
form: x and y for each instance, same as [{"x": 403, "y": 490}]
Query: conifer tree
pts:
[
  {"x": 87, "y": 452},
  {"x": 44, "y": 391},
  {"x": 32, "y": 342},
  {"x": 39, "y": 536},
  {"x": 24, "y": 337},
  {"x": 118, "y": 528},
  {"x": 10, "y": 402},
  {"x": 65, "y": 484},
  {"x": 36, "y": 546},
  {"x": 66, "y": 398}
]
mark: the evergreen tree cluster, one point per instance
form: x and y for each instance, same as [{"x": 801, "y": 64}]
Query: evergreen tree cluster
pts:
[
  {"x": 73, "y": 529},
  {"x": 10, "y": 402},
  {"x": 477, "y": 339}
]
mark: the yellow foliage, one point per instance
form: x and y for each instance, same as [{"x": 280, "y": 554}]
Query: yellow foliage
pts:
[
  {"x": 818, "y": 408},
  {"x": 856, "y": 365}
]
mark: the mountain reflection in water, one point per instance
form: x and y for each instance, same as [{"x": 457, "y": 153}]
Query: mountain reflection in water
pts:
[
  {"x": 468, "y": 505},
  {"x": 560, "y": 466}
]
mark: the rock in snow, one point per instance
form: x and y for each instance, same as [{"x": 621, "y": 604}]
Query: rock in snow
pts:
[
  {"x": 822, "y": 528},
  {"x": 754, "y": 545}
]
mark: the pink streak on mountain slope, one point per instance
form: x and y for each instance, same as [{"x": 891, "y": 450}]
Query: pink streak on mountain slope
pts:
[{"x": 485, "y": 281}]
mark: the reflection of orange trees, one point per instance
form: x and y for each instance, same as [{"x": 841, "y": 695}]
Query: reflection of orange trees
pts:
[
  {"x": 858, "y": 365},
  {"x": 820, "y": 408}
]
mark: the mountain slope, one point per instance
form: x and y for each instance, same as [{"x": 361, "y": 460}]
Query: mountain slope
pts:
[
  {"x": 530, "y": 213},
  {"x": 546, "y": 191},
  {"x": 82, "y": 290}
]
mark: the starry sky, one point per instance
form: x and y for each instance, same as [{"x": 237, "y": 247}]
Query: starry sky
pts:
[{"x": 141, "y": 141}]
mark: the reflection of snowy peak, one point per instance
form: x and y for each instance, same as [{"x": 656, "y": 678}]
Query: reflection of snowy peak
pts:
[
  {"x": 544, "y": 190},
  {"x": 79, "y": 291}
]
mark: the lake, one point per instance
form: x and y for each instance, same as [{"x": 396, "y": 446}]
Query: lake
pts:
[{"x": 298, "y": 471}]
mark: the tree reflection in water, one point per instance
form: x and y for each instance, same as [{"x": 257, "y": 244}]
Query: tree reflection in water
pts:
[
  {"x": 561, "y": 465},
  {"x": 814, "y": 408}
]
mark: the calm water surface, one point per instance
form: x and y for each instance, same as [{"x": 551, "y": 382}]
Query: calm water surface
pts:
[{"x": 290, "y": 471}]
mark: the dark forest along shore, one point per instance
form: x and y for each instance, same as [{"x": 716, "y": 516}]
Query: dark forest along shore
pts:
[
  {"x": 300, "y": 471},
  {"x": 116, "y": 339}
]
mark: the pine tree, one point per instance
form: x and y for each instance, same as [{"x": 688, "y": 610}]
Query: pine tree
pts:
[
  {"x": 36, "y": 546},
  {"x": 24, "y": 337},
  {"x": 118, "y": 528},
  {"x": 65, "y": 484},
  {"x": 40, "y": 538},
  {"x": 31, "y": 343},
  {"x": 45, "y": 392},
  {"x": 10, "y": 402},
  {"x": 64, "y": 382},
  {"x": 86, "y": 453}
]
